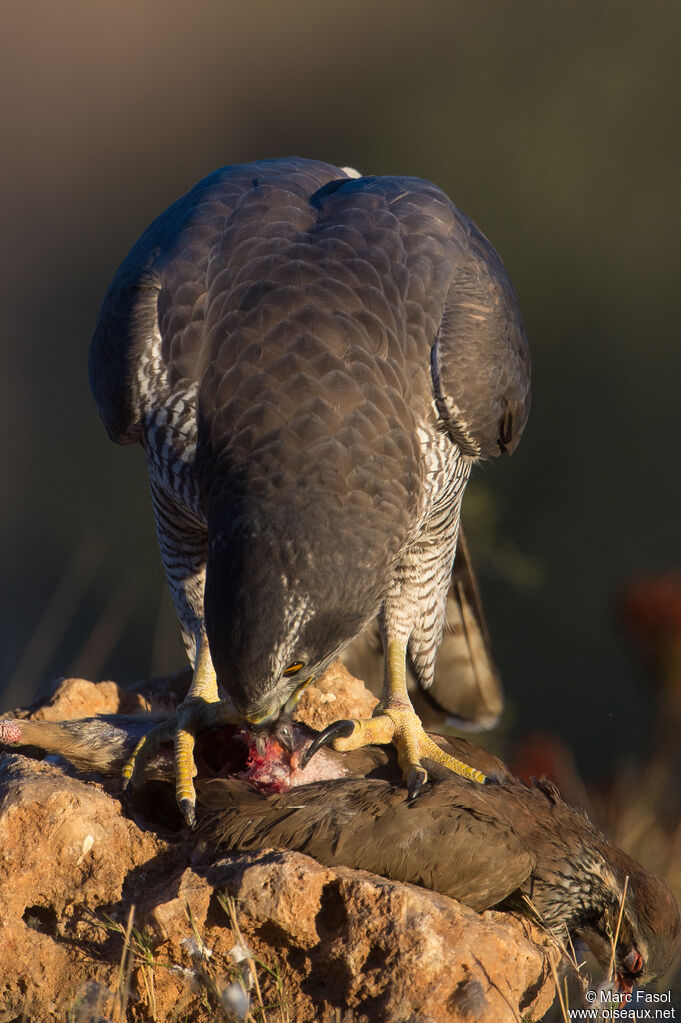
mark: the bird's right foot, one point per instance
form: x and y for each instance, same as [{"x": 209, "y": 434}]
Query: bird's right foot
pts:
[{"x": 398, "y": 724}]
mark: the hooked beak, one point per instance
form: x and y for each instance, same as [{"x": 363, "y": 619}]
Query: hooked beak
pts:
[
  {"x": 277, "y": 722},
  {"x": 275, "y": 727}
]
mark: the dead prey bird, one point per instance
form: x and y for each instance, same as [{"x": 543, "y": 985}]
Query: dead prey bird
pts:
[
  {"x": 487, "y": 846},
  {"x": 312, "y": 361}
]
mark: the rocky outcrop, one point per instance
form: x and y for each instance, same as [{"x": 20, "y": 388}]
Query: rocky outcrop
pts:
[{"x": 212, "y": 934}]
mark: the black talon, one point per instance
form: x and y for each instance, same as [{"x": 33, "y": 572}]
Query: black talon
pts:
[
  {"x": 337, "y": 730},
  {"x": 188, "y": 811},
  {"x": 418, "y": 776}
]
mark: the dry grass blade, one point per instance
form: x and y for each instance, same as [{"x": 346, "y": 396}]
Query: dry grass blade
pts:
[
  {"x": 137, "y": 952},
  {"x": 567, "y": 953},
  {"x": 573, "y": 955},
  {"x": 611, "y": 965},
  {"x": 562, "y": 999},
  {"x": 61, "y": 607},
  {"x": 203, "y": 952},
  {"x": 229, "y": 905},
  {"x": 125, "y": 968},
  {"x": 145, "y": 959},
  {"x": 205, "y": 972},
  {"x": 108, "y": 628}
]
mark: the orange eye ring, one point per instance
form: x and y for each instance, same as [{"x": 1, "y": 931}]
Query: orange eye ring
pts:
[{"x": 294, "y": 668}]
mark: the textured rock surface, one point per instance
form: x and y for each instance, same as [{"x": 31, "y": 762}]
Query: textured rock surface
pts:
[
  {"x": 337, "y": 694},
  {"x": 342, "y": 944},
  {"x": 66, "y": 852},
  {"x": 73, "y": 698},
  {"x": 387, "y": 951}
]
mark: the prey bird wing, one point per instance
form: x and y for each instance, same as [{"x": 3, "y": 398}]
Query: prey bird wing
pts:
[
  {"x": 368, "y": 825},
  {"x": 451, "y": 839}
]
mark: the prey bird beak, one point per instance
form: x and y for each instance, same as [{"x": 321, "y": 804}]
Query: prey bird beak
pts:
[
  {"x": 280, "y": 729},
  {"x": 283, "y": 731},
  {"x": 259, "y": 740}
]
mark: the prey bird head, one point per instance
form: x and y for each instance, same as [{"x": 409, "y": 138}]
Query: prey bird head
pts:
[
  {"x": 647, "y": 941},
  {"x": 588, "y": 887}
]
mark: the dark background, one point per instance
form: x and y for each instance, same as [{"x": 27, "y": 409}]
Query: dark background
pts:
[{"x": 554, "y": 125}]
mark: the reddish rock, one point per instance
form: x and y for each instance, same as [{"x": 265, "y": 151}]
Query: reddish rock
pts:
[
  {"x": 337, "y": 694},
  {"x": 73, "y": 698},
  {"x": 66, "y": 852},
  {"x": 386, "y": 951},
  {"x": 344, "y": 944}
]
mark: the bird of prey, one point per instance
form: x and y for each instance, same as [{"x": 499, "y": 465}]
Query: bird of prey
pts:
[
  {"x": 312, "y": 361},
  {"x": 504, "y": 845}
]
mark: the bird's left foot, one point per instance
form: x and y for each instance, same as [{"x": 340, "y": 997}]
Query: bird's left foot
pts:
[
  {"x": 192, "y": 716},
  {"x": 201, "y": 708},
  {"x": 398, "y": 723}
]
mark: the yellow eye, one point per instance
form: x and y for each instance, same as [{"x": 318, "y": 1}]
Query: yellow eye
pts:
[{"x": 293, "y": 668}]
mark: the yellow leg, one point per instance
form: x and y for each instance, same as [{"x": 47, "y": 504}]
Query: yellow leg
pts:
[
  {"x": 204, "y": 683},
  {"x": 396, "y": 721},
  {"x": 190, "y": 714}
]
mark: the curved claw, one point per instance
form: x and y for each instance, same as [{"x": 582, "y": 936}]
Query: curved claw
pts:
[
  {"x": 142, "y": 752},
  {"x": 188, "y": 811},
  {"x": 129, "y": 766},
  {"x": 338, "y": 729},
  {"x": 417, "y": 778},
  {"x": 192, "y": 716}
]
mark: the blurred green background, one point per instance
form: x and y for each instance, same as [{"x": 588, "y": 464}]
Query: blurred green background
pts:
[{"x": 553, "y": 124}]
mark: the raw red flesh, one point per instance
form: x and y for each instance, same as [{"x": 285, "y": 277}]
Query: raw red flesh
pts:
[
  {"x": 278, "y": 770},
  {"x": 270, "y": 770}
]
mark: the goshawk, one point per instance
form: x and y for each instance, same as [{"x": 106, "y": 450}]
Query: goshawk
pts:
[{"x": 312, "y": 361}]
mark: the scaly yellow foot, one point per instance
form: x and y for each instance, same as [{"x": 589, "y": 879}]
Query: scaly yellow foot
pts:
[
  {"x": 200, "y": 709},
  {"x": 402, "y": 727},
  {"x": 394, "y": 721}
]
